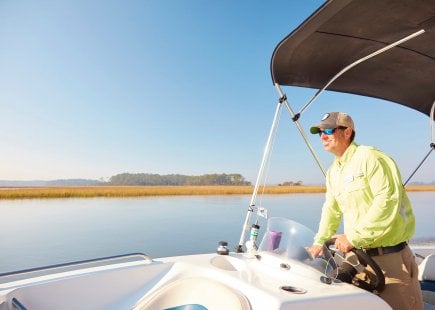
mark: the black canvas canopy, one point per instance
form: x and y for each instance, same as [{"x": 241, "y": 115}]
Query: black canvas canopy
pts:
[{"x": 342, "y": 31}]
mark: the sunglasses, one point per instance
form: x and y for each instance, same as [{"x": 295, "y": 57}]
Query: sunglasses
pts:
[{"x": 330, "y": 131}]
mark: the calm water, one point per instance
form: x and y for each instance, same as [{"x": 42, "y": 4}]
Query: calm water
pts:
[{"x": 43, "y": 232}]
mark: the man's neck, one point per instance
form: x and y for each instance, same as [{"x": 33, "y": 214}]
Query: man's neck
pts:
[{"x": 341, "y": 152}]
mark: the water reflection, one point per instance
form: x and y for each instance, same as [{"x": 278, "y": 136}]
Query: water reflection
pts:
[{"x": 42, "y": 232}]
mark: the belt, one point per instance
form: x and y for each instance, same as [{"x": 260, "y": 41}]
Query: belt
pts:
[{"x": 385, "y": 250}]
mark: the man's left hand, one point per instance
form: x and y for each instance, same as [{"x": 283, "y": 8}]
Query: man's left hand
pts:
[{"x": 342, "y": 244}]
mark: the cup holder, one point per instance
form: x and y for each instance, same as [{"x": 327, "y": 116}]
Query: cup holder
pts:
[{"x": 293, "y": 289}]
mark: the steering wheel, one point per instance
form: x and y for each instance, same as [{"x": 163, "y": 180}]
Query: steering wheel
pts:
[{"x": 346, "y": 270}]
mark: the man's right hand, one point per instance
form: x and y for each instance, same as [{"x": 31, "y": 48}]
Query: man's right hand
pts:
[{"x": 315, "y": 250}]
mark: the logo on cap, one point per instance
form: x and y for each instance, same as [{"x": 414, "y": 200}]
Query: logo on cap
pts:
[{"x": 325, "y": 116}]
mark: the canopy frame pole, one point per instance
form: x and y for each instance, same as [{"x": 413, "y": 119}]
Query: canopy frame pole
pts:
[
  {"x": 347, "y": 68},
  {"x": 272, "y": 132},
  {"x": 295, "y": 118},
  {"x": 431, "y": 145}
]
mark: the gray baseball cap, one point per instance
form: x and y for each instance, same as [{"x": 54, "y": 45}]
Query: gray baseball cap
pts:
[{"x": 333, "y": 120}]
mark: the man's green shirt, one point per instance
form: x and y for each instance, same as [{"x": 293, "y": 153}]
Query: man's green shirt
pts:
[{"x": 364, "y": 187}]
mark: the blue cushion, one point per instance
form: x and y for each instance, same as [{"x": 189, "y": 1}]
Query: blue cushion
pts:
[
  {"x": 425, "y": 286},
  {"x": 188, "y": 307}
]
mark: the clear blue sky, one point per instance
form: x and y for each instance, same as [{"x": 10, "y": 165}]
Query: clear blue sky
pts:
[{"x": 90, "y": 89}]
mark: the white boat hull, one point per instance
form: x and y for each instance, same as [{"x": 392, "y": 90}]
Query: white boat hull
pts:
[{"x": 213, "y": 281}]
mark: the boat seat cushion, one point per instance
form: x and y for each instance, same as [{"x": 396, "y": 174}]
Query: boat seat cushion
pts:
[{"x": 426, "y": 269}]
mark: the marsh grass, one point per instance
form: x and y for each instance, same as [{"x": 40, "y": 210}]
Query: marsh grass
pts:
[{"x": 141, "y": 191}]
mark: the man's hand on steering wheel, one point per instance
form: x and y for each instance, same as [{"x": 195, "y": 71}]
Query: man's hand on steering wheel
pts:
[{"x": 342, "y": 244}]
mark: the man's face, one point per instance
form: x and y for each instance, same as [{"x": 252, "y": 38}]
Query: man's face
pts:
[{"x": 337, "y": 142}]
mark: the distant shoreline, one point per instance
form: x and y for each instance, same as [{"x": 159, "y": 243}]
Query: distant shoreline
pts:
[{"x": 143, "y": 191}]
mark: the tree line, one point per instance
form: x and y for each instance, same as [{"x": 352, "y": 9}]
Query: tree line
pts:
[
  {"x": 291, "y": 183},
  {"x": 148, "y": 179}
]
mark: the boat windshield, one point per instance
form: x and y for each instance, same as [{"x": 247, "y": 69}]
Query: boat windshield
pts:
[{"x": 290, "y": 240}]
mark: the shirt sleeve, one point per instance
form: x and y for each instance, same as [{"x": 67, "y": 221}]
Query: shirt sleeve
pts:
[{"x": 330, "y": 219}]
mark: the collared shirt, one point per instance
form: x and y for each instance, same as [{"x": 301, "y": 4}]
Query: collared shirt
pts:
[{"x": 364, "y": 187}]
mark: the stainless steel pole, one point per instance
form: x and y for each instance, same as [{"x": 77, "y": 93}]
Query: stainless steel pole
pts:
[{"x": 266, "y": 152}]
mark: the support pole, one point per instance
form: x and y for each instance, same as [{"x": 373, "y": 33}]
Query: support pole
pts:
[
  {"x": 299, "y": 127},
  {"x": 347, "y": 68},
  {"x": 432, "y": 142},
  {"x": 239, "y": 248}
]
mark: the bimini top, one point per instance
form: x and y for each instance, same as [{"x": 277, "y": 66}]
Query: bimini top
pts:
[{"x": 342, "y": 31}]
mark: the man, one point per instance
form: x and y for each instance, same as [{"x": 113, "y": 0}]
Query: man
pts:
[{"x": 364, "y": 187}]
